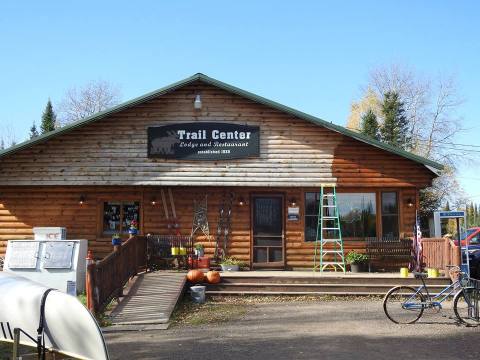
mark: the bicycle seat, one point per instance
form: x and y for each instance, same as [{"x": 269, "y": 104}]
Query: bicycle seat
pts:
[{"x": 419, "y": 275}]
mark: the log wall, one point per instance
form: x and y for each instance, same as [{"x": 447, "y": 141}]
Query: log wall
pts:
[
  {"x": 293, "y": 152},
  {"x": 21, "y": 209}
]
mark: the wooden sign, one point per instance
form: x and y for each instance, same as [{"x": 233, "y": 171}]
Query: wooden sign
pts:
[{"x": 204, "y": 141}]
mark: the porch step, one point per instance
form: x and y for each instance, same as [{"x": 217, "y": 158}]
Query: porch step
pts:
[
  {"x": 309, "y": 288},
  {"x": 297, "y": 293},
  {"x": 315, "y": 284},
  {"x": 316, "y": 278}
]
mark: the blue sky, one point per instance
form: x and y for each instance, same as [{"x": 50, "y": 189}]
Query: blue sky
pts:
[{"x": 311, "y": 55}]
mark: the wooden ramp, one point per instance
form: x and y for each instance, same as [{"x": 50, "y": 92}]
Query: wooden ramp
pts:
[{"x": 150, "y": 300}]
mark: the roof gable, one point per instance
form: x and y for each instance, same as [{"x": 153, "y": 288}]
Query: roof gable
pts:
[{"x": 431, "y": 165}]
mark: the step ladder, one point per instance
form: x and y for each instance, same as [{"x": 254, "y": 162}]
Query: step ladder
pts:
[{"x": 329, "y": 243}]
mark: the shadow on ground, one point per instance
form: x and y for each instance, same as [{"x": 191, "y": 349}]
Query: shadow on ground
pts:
[{"x": 305, "y": 331}]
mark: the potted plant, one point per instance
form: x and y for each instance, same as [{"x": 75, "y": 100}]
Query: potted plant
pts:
[
  {"x": 357, "y": 261},
  {"x": 116, "y": 239},
  {"x": 230, "y": 264},
  {"x": 133, "y": 229},
  {"x": 199, "y": 250}
]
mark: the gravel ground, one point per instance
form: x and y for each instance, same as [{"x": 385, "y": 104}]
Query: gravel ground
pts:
[{"x": 305, "y": 330}]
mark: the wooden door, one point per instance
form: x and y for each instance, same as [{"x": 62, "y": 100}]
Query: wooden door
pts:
[{"x": 267, "y": 231}]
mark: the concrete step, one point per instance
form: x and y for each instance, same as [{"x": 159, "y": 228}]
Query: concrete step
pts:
[
  {"x": 392, "y": 281},
  {"x": 297, "y": 293},
  {"x": 309, "y": 287}
]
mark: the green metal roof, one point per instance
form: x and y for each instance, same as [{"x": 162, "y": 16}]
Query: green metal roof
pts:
[{"x": 432, "y": 165}]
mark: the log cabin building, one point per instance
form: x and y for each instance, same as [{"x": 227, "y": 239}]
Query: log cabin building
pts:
[{"x": 201, "y": 137}]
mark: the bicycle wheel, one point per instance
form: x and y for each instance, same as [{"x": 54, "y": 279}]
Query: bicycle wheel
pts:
[
  {"x": 403, "y": 305},
  {"x": 465, "y": 306}
]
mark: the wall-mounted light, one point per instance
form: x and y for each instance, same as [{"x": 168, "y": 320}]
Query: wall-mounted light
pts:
[
  {"x": 197, "y": 104},
  {"x": 241, "y": 201},
  {"x": 409, "y": 202},
  {"x": 293, "y": 202},
  {"x": 153, "y": 201},
  {"x": 82, "y": 200}
]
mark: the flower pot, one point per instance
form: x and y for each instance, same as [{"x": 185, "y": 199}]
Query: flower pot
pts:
[
  {"x": 200, "y": 252},
  {"x": 357, "y": 267},
  {"x": 116, "y": 241},
  {"x": 230, "y": 267},
  {"x": 133, "y": 231}
]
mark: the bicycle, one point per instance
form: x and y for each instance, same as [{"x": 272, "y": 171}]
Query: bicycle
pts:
[{"x": 405, "y": 304}]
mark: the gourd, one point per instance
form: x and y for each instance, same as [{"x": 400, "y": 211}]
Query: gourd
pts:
[
  {"x": 213, "y": 277},
  {"x": 195, "y": 276}
]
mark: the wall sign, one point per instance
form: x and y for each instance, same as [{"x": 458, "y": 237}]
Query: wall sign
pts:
[
  {"x": 204, "y": 141},
  {"x": 293, "y": 214}
]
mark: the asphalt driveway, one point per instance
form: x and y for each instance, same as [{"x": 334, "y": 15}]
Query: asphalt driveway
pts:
[{"x": 313, "y": 330}]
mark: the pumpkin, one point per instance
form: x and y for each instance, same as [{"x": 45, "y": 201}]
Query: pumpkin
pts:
[
  {"x": 195, "y": 276},
  {"x": 213, "y": 277}
]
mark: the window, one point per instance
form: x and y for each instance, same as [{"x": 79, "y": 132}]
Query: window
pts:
[
  {"x": 311, "y": 215},
  {"x": 389, "y": 215},
  {"x": 117, "y": 216},
  {"x": 357, "y": 213},
  {"x": 475, "y": 239}
]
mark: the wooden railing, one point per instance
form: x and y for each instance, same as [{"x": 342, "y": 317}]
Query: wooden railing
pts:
[
  {"x": 106, "y": 278},
  {"x": 159, "y": 247},
  {"x": 440, "y": 252}
]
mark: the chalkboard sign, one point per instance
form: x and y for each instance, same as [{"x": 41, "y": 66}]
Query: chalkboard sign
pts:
[
  {"x": 204, "y": 141},
  {"x": 23, "y": 254},
  {"x": 58, "y": 255}
]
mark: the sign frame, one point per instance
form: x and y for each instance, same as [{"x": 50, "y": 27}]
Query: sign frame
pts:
[{"x": 203, "y": 141}]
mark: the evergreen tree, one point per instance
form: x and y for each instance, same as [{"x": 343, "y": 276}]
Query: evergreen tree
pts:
[
  {"x": 477, "y": 220},
  {"x": 470, "y": 215},
  {"x": 370, "y": 124},
  {"x": 447, "y": 206},
  {"x": 33, "y": 131},
  {"x": 394, "y": 130},
  {"x": 49, "y": 118}
]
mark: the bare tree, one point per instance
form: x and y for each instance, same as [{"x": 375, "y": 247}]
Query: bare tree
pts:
[
  {"x": 79, "y": 103},
  {"x": 7, "y": 136},
  {"x": 431, "y": 107}
]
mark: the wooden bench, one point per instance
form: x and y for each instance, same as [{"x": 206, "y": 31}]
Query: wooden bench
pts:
[{"x": 388, "y": 254}]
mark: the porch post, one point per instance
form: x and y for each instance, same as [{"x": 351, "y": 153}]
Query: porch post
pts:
[{"x": 89, "y": 286}]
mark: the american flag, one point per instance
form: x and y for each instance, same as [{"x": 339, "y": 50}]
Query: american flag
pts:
[{"x": 417, "y": 251}]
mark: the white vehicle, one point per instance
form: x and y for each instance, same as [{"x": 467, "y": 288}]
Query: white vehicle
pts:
[{"x": 68, "y": 327}]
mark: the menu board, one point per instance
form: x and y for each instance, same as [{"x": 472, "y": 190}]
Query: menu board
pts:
[
  {"x": 58, "y": 255},
  {"x": 23, "y": 254}
]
